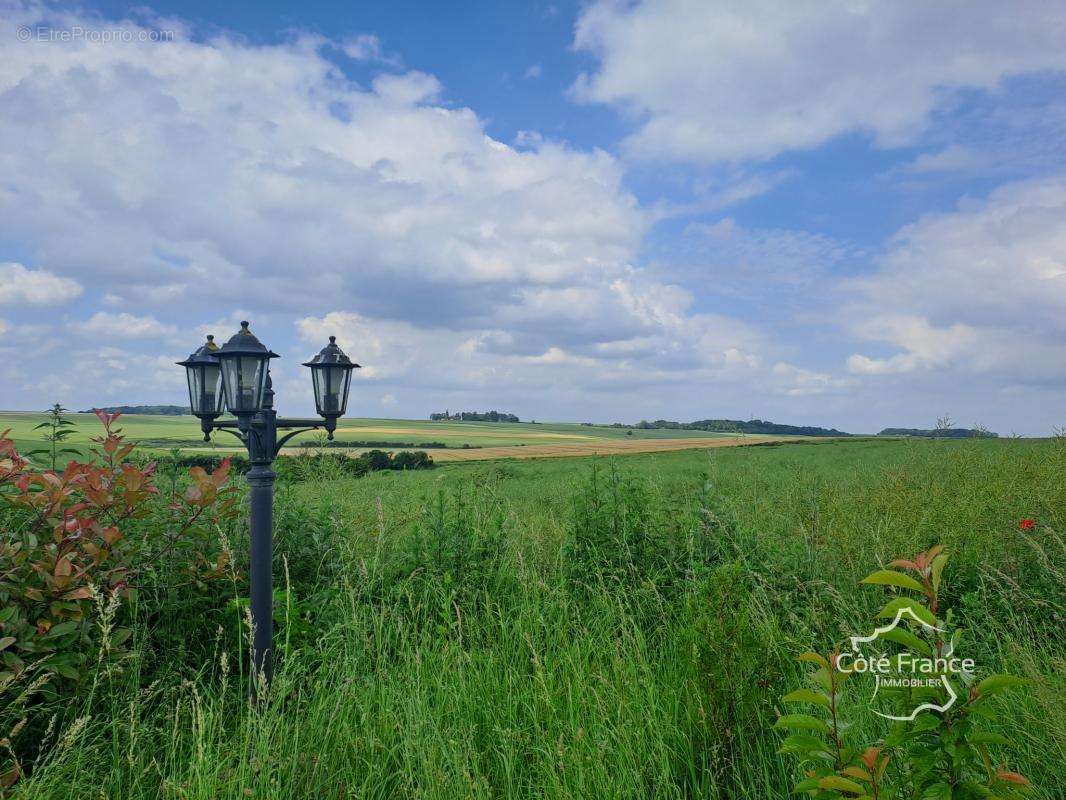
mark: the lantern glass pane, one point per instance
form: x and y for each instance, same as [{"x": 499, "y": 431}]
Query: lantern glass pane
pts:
[
  {"x": 244, "y": 378},
  {"x": 347, "y": 382},
  {"x": 212, "y": 392},
  {"x": 196, "y": 387}
]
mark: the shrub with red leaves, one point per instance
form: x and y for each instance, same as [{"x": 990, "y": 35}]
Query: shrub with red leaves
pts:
[{"x": 75, "y": 540}]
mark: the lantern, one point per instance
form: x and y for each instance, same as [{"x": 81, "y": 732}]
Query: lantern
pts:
[
  {"x": 245, "y": 365},
  {"x": 205, "y": 381},
  {"x": 331, "y": 373}
]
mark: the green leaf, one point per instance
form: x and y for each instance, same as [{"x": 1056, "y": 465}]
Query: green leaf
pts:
[
  {"x": 892, "y": 608},
  {"x": 820, "y": 678},
  {"x": 814, "y": 658},
  {"x": 806, "y": 785},
  {"x": 925, "y": 722},
  {"x": 908, "y": 640},
  {"x": 67, "y": 671},
  {"x": 802, "y": 743},
  {"x": 994, "y": 684},
  {"x": 987, "y": 737},
  {"x": 807, "y": 696},
  {"x": 839, "y": 784},
  {"x": 937, "y": 791},
  {"x": 7, "y": 641},
  {"x": 802, "y": 722},
  {"x": 61, "y": 629},
  {"x": 889, "y": 577},
  {"x": 936, "y": 569}
]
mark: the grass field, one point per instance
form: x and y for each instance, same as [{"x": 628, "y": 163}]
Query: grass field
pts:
[
  {"x": 461, "y": 440},
  {"x": 580, "y": 628}
]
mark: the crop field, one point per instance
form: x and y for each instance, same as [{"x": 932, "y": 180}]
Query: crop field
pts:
[
  {"x": 605, "y": 627},
  {"x": 446, "y": 441}
]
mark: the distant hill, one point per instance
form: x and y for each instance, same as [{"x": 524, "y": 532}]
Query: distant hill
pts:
[
  {"x": 737, "y": 426},
  {"x": 941, "y": 433},
  {"x": 159, "y": 411}
]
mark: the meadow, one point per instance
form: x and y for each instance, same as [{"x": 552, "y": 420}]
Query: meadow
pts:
[{"x": 572, "y": 628}]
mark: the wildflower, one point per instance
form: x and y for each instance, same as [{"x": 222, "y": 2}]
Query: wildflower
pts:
[{"x": 1027, "y": 524}]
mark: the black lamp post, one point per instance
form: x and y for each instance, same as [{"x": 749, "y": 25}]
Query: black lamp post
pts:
[{"x": 239, "y": 371}]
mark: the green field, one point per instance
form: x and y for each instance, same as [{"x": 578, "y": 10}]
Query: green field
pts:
[
  {"x": 163, "y": 432},
  {"x": 579, "y": 628}
]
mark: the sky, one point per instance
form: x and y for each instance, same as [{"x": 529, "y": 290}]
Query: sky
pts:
[{"x": 848, "y": 214}]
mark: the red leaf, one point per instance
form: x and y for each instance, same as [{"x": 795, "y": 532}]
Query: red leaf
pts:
[
  {"x": 904, "y": 562},
  {"x": 1012, "y": 777}
]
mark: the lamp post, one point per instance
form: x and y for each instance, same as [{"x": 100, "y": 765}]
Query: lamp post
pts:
[{"x": 238, "y": 374}]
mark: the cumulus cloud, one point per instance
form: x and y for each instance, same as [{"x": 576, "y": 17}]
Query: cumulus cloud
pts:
[
  {"x": 202, "y": 164},
  {"x": 721, "y": 81},
  {"x": 35, "y": 287},
  {"x": 981, "y": 290},
  {"x": 186, "y": 178},
  {"x": 367, "y": 47},
  {"x": 118, "y": 326}
]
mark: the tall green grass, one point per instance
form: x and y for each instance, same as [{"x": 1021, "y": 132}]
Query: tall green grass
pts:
[{"x": 582, "y": 628}]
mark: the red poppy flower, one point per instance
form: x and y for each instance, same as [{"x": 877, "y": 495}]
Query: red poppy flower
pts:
[{"x": 1027, "y": 524}]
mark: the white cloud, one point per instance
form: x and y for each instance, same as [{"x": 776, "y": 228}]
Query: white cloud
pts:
[
  {"x": 534, "y": 71},
  {"x": 198, "y": 166},
  {"x": 35, "y": 287},
  {"x": 123, "y": 325},
  {"x": 717, "y": 81},
  {"x": 188, "y": 178},
  {"x": 981, "y": 290},
  {"x": 953, "y": 158},
  {"x": 925, "y": 346},
  {"x": 799, "y": 382},
  {"x": 367, "y": 47}
]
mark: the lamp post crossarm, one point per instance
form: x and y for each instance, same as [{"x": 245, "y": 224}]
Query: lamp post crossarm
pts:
[
  {"x": 286, "y": 437},
  {"x": 284, "y": 423},
  {"x": 255, "y": 427}
]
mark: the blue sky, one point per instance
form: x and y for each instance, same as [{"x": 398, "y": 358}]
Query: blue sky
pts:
[{"x": 843, "y": 215}]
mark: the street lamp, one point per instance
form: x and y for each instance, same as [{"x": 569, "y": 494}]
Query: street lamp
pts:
[
  {"x": 239, "y": 372},
  {"x": 205, "y": 381}
]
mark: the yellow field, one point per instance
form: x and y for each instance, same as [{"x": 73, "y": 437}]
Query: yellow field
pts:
[
  {"x": 595, "y": 448},
  {"x": 592, "y": 447}
]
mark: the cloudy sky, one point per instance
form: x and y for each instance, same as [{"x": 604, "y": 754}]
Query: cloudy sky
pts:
[{"x": 849, "y": 214}]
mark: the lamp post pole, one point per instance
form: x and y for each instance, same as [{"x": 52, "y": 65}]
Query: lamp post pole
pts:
[{"x": 238, "y": 374}]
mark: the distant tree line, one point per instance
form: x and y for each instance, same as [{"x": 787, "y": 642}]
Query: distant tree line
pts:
[
  {"x": 160, "y": 411},
  {"x": 941, "y": 433},
  {"x": 474, "y": 416},
  {"x": 736, "y": 426}
]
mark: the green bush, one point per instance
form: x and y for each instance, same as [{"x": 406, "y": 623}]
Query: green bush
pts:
[{"x": 307, "y": 466}]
